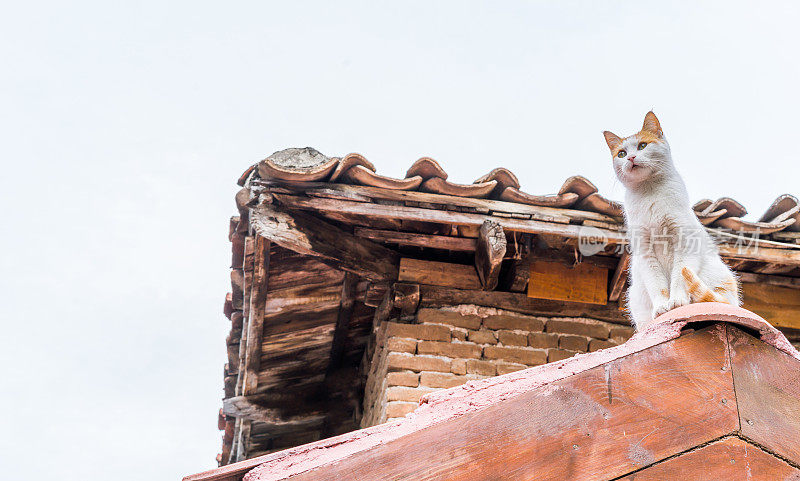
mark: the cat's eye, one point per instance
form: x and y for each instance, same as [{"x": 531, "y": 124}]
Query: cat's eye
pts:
[
  {"x": 642, "y": 145},
  {"x": 621, "y": 154}
]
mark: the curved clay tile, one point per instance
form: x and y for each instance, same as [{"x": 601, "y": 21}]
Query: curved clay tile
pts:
[
  {"x": 437, "y": 185},
  {"x": 358, "y": 174},
  {"x": 348, "y": 161},
  {"x": 710, "y": 217},
  {"x": 597, "y": 203},
  {"x": 578, "y": 184},
  {"x": 512, "y": 194},
  {"x": 733, "y": 208},
  {"x": 737, "y": 224},
  {"x": 426, "y": 168},
  {"x": 245, "y": 175},
  {"x": 504, "y": 177},
  {"x": 783, "y": 208},
  {"x": 702, "y": 205},
  {"x": 297, "y": 164}
]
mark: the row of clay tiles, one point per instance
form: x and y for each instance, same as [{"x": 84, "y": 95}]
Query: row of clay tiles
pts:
[{"x": 577, "y": 192}]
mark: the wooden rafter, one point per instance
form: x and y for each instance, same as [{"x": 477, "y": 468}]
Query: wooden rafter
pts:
[
  {"x": 420, "y": 240},
  {"x": 342, "y": 322},
  {"x": 305, "y": 234},
  {"x": 491, "y": 248},
  {"x": 619, "y": 278}
]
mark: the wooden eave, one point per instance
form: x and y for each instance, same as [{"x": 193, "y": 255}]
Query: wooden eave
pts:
[{"x": 709, "y": 389}]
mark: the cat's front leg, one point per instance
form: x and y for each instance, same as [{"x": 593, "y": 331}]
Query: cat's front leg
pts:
[{"x": 655, "y": 281}]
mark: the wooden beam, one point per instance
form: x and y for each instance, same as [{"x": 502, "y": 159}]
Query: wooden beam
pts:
[
  {"x": 342, "y": 323},
  {"x": 247, "y": 407},
  {"x": 578, "y": 283},
  {"x": 491, "y": 249},
  {"x": 547, "y": 214},
  {"x": 442, "y": 216},
  {"x": 435, "y": 296},
  {"x": 258, "y": 300},
  {"x": 620, "y": 277},
  {"x": 306, "y": 234},
  {"x": 438, "y": 273},
  {"x": 780, "y": 281},
  {"x": 450, "y": 243},
  {"x": 778, "y": 305}
]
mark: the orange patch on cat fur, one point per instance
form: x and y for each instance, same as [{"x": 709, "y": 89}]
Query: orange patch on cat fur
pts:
[
  {"x": 699, "y": 292},
  {"x": 641, "y": 136},
  {"x": 664, "y": 292}
]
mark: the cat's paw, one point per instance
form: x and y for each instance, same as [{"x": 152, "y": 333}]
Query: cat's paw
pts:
[{"x": 669, "y": 304}]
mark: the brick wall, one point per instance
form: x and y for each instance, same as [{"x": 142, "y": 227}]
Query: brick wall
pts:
[{"x": 443, "y": 348}]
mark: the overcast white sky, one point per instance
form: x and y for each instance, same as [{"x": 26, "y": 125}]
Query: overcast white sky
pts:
[{"x": 125, "y": 126}]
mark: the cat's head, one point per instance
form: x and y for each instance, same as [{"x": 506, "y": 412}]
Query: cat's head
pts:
[{"x": 641, "y": 156}]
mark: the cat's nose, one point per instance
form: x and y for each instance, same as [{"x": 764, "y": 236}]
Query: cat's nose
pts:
[{"x": 632, "y": 158}]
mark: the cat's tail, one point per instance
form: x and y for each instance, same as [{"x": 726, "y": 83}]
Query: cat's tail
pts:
[{"x": 699, "y": 290}]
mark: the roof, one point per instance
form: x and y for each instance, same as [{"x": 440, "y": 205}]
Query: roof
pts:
[
  {"x": 576, "y": 193},
  {"x": 665, "y": 394}
]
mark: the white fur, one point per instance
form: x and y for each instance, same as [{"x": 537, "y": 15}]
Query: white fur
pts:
[{"x": 665, "y": 234}]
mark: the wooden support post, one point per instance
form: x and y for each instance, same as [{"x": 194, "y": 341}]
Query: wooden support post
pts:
[
  {"x": 619, "y": 278},
  {"x": 489, "y": 253},
  {"x": 258, "y": 300},
  {"x": 342, "y": 322},
  {"x": 306, "y": 234}
]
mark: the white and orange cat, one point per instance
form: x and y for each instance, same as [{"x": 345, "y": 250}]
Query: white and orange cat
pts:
[{"x": 673, "y": 259}]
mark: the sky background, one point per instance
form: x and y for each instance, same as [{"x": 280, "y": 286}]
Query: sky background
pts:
[{"x": 125, "y": 125}]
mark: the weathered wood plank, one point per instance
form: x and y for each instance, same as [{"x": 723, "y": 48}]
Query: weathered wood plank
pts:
[
  {"x": 258, "y": 300},
  {"x": 730, "y": 459},
  {"x": 778, "y": 305},
  {"x": 780, "y": 281},
  {"x": 247, "y": 407},
  {"x": 441, "y": 216},
  {"x": 420, "y": 240},
  {"x": 768, "y": 394},
  {"x": 596, "y": 425},
  {"x": 342, "y": 322},
  {"x": 489, "y": 253},
  {"x": 306, "y": 234},
  {"x": 436, "y": 296},
  {"x": 579, "y": 283},
  {"x": 620, "y": 277},
  {"x": 438, "y": 273},
  {"x": 548, "y": 214}
]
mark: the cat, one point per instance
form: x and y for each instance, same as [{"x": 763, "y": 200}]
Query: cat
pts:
[{"x": 674, "y": 261}]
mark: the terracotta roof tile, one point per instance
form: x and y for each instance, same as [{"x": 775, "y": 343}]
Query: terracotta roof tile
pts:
[{"x": 577, "y": 192}]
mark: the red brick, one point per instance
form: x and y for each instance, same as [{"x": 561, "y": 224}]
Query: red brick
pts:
[
  {"x": 559, "y": 354},
  {"x": 441, "y": 379},
  {"x": 401, "y": 344},
  {"x": 449, "y": 349},
  {"x": 621, "y": 334},
  {"x": 452, "y": 318},
  {"x": 483, "y": 337},
  {"x": 402, "y": 361},
  {"x": 458, "y": 366},
  {"x": 484, "y": 368},
  {"x": 573, "y": 343},
  {"x": 597, "y": 344},
  {"x": 402, "y": 378},
  {"x": 426, "y": 332},
  {"x": 460, "y": 334},
  {"x": 398, "y": 409},
  {"x": 409, "y": 394},
  {"x": 543, "y": 340},
  {"x": 507, "y": 367},
  {"x": 530, "y": 357},
  {"x": 511, "y": 322},
  {"x": 582, "y": 327},
  {"x": 511, "y": 338}
]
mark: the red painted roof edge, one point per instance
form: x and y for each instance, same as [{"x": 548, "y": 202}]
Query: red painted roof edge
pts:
[{"x": 475, "y": 395}]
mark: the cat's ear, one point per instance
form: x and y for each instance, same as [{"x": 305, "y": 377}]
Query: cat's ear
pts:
[
  {"x": 651, "y": 124},
  {"x": 612, "y": 140}
]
